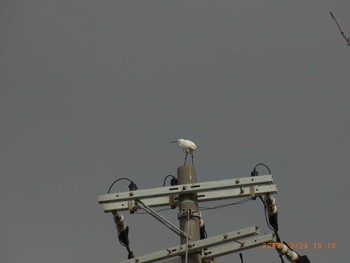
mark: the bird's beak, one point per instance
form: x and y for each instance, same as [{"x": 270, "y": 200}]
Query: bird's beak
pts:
[{"x": 173, "y": 141}]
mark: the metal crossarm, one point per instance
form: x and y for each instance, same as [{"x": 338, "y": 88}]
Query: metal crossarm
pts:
[
  {"x": 185, "y": 188},
  {"x": 195, "y": 246},
  {"x": 204, "y": 196},
  {"x": 238, "y": 246}
]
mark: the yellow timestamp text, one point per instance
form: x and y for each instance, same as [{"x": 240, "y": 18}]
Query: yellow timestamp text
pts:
[{"x": 302, "y": 245}]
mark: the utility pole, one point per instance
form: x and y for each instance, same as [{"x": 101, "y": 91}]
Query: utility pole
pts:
[
  {"x": 189, "y": 214},
  {"x": 186, "y": 195}
]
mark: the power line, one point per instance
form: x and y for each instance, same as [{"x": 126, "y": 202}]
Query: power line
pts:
[
  {"x": 159, "y": 210},
  {"x": 225, "y": 205}
]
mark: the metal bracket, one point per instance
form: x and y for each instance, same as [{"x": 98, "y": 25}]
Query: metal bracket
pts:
[
  {"x": 132, "y": 207},
  {"x": 184, "y": 213},
  {"x": 252, "y": 191}
]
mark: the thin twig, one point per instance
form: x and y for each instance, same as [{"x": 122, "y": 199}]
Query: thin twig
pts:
[{"x": 347, "y": 39}]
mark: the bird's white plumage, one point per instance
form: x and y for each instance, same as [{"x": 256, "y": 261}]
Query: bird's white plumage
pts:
[{"x": 187, "y": 146}]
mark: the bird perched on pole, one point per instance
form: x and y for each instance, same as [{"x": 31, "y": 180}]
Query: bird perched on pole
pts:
[{"x": 187, "y": 146}]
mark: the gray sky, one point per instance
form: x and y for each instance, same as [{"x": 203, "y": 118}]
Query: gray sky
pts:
[{"x": 91, "y": 91}]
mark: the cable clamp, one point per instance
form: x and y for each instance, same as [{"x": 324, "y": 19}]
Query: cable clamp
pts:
[
  {"x": 132, "y": 207},
  {"x": 252, "y": 191},
  {"x": 172, "y": 201},
  {"x": 184, "y": 213}
]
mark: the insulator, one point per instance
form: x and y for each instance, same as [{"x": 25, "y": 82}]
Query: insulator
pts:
[
  {"x": 119, "y": 221},
  {"x": 270, "y": 200},
  {"x": 201, "y": 223},
  {"x": 272, "y": 210},
  {"x": 281, "y": 248},
  {"x": 202, "y": 231},
  {"x": 270, "y": 203},
  {"x": 290, "y": 254}
]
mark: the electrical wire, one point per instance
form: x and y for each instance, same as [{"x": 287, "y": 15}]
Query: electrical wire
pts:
[
  {"x": 262, "y": 164},
  {"x": 265, "y": 212},
  {"x": 205, "y": 235},
  {"x": 203, "y": 207},
  {"x": 121, "y": 242},
  {"x": 127, "y": 179},
  {"x": 225, "y": 205},
  {"x": 160, "y": 210},
  {"x": 278, "y": 239},
  {"x": 123, "y": 234},
  {"x": 166, "y": 177}
]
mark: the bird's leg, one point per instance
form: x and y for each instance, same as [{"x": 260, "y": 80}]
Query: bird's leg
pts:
[
  {"x": 185, "y": 158},
  {"x": 192, "y": 159}
]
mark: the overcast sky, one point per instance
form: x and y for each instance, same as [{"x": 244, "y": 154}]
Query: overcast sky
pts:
[{"x": 91, "y": 91}]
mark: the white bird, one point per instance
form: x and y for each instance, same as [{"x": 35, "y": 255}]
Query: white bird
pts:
[{"x": 187, "y": 146}]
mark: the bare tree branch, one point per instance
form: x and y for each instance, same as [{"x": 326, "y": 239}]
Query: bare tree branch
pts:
[{"x": 347, "y": 39}]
